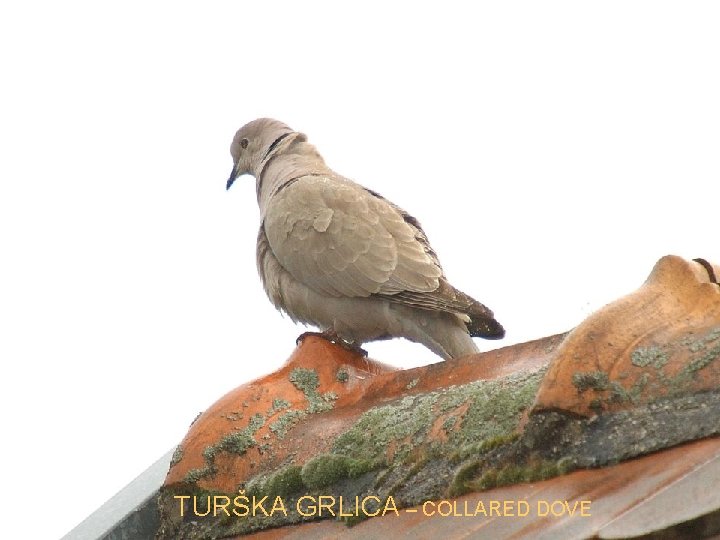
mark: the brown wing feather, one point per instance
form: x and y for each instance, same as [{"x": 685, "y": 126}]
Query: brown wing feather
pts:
[{"x": 480, "y": 320}]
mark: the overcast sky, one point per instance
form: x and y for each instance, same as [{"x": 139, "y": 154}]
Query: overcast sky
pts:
[{"x": 553, "y": 151}]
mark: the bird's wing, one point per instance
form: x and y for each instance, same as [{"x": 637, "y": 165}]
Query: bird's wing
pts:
[{"x": 339, "y": 239}]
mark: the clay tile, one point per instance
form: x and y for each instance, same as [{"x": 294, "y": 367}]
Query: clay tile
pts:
[
  {"x": 243, "y": 433},
  {"x": 332, "y": 421},
  {"x": 663, "y": 339}
]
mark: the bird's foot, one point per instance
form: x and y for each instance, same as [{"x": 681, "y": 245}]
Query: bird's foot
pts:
[
  {"x": 352, "y": 346},
  {"x": 304, "y": 335},
  {"x": 332, "y": 337}
]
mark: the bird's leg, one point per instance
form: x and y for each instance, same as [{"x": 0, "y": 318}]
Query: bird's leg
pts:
[{"x": 331, "y": 336}]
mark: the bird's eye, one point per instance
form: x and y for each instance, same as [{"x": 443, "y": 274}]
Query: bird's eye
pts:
[{"x": 244, "y": 143}]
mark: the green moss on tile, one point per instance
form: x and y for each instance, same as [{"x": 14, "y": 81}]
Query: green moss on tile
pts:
[
  {"x": 649, "y": 356},
  {"x": 484, "y": 446},
  {"x": 412, "y": 384},
  {"x": 342, "y": 375},
  {"x": 327, "y": 469},
  {"x": 699, "y": 343},
  {"x": 612, "y": 391},
  {"x": 591, "y": 380},
  {"x": 210, "y": 452},
  {"x": 449, "y": 423},
  {"x": 619, "y": 394},
  {"x": 491, "y": 409},
  {"x": 278, "y": 404},
  {"x": 653, "y": 383},
  {"x": 515, "y": 474},
  {"x": 286, "y": 421},
  {"x": 193, "y": 475},
  {"x": 701, "y": 362},
  {"x": 307, "y": 381},
  {"x": 358, "y": 467},
  {"x": 236, "y": 443},
  {"x": 401, "y": 424},
  {"x": 284, "y": 482},
  {"x": 240, "y": 441},
  {"x": 177, "y": 456},
  {"x": 318, "y": 473},
  {"x": 463, "y": 475},
  {"x": 495, "y": 408},
  {"x": 420, "y": 463},
  {"x": 596, "y": 405}
]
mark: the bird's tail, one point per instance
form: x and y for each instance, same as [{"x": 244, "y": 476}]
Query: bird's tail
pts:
[
  {"x": 479, "y": 319},
  {"x": 484, "y": 325}
]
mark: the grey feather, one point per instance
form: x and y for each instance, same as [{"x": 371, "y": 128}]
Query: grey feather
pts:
[{"x": 338, "y": 256}]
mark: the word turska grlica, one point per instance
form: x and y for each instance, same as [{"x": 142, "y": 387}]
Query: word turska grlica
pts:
[{"x": 243, "y": 506}]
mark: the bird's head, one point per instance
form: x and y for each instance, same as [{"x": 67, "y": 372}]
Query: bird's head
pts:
[{"x": 254, "y": 144}]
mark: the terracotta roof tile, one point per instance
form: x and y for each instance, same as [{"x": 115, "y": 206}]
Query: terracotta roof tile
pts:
[
  {"x": 660, "y": 340},
  {"x": 637, "y": 379}
]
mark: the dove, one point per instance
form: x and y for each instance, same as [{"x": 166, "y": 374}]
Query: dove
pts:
[{"x": 338, "y": 256}]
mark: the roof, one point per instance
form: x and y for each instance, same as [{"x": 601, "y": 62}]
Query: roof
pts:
[{"x": 622, "y": 412}]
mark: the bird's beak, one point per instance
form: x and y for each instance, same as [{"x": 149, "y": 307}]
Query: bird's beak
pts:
[{"x": 233, "y": 176}]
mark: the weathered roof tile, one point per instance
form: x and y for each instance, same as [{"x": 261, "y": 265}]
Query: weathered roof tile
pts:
[{"x": 639, "y": 376}]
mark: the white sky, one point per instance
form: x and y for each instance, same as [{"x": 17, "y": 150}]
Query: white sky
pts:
[{"x": 552, "y": 150}]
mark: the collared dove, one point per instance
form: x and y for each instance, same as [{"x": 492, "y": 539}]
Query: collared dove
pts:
[{"x": 340, "y": 257}]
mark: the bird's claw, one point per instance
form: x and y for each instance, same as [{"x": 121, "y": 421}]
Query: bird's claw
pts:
[{"x": 304, "y": 335}]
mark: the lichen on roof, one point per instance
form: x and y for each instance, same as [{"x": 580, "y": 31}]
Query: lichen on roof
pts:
[
  {"x": 408, "y": 448},
  {"x": 474, "y": 412},
  {"x": 650, "y": 376}
]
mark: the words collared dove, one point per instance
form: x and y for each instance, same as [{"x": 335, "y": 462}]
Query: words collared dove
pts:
[{"x": 340, "y": 257}]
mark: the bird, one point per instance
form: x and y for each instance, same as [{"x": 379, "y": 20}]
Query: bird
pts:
[{"x": 342, "y": 258}]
